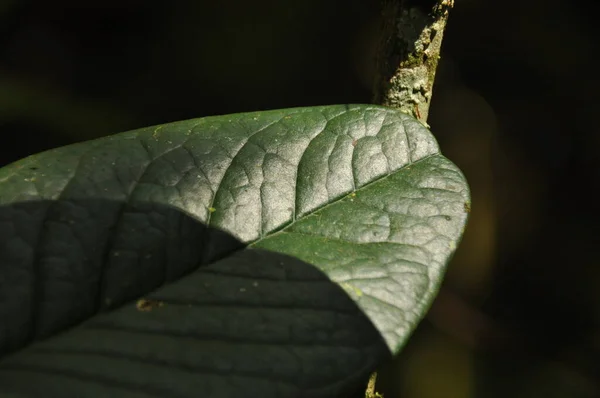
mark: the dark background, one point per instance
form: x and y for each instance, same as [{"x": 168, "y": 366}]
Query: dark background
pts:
[{"x": 514, "y": 105}]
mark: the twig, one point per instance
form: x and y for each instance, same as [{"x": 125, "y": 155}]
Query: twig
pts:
[
  {"x": 407, "y": 58},
  {"x": 371, "y": 393},
  {"x": 408, "y": 54}
]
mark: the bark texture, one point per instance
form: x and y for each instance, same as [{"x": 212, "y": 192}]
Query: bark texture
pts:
[{"x": 408, "y": 53}]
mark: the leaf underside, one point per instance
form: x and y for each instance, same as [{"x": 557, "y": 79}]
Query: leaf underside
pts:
[{"x": 282, "y": 253}]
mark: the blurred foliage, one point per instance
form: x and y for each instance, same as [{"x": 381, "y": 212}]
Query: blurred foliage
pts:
[{"x": 514, "y": 106}]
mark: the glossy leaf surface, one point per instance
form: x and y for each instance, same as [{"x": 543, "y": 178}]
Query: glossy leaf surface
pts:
[{"x": 281, "y": 253}]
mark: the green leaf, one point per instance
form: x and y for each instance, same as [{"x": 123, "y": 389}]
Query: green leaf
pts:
[{"x": 279, "y": 253}]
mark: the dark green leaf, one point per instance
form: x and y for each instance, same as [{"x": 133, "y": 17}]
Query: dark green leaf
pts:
[{"x": 134, "y": 265}]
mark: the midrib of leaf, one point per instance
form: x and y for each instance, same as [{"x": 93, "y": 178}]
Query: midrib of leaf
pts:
[{"x": 333, "y": 202}]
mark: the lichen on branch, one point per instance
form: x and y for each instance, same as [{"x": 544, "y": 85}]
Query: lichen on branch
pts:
[{"x": 408, "y": 53}]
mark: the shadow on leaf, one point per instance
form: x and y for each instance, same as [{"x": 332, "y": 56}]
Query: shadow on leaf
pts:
[{"x": 105, "y": 298}]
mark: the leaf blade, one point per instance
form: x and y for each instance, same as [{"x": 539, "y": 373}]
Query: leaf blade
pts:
[
  {"x": 360, "y": 192},
  {"x": 402, "y": 238}
]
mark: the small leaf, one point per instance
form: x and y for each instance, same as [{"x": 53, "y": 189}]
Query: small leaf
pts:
[{"x": 333, "y": 231}]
